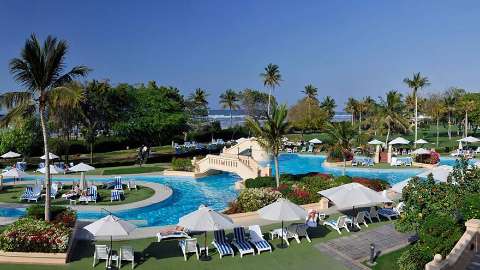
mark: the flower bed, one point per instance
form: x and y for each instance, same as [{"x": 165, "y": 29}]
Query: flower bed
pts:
[{"x": 432, "y": 158}]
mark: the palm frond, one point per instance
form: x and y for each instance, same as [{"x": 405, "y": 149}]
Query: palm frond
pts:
[{"x": 11, "y": 100}]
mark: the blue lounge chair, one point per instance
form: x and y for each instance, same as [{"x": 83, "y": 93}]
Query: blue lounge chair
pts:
[
  {"x": 241, "y": 243},
  {"x": 115, "y": 196},
  {"x": 221, "y": 244},
  {"x": 91, "y": 195},
  {"x": 27, "y": 193},
  {"x": 256, "y": 238},
  {"x": 32, "y": 194},
  {"x": 118, "y": 183},
  {"x": 54, "y": 190}
]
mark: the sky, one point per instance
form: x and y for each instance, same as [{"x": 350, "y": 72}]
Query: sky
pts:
[{"x": 347, "y": 48}]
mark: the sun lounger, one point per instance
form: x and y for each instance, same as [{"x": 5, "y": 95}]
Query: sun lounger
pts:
[
  {"x": 241, "y": 243},
  {"x": 131, "y": 185},
  {"x": 390, "y": 213},
  {"x": 189, "y": 246},
  {"x": 371, "y": 214},
  {"x": 26, "y": 194},
  {"x": 115, "y": 196},
  {"x": 354, "y": 163},
  {"x": 297, "y": 231},
  {"x": 91, "y": 195},
  {"x": 221, "y": 244},
  {"x": 337, "y": 225},
  {"x": 304, "y": 149},
  {"x": 118, "y": 183},
  {"x": 126, "y": 254},
  {"x": 173, "y": 233},
  {"x": 54, "y": 191},
  {"x": 101, "y": 253},
  {"x": 256, "y": 238},
  {"x": 310, "y": 148},
  {"x": 360, "y": 218}
]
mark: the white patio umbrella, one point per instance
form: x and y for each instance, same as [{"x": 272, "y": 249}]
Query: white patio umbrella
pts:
[
  {"x": 421, "y": 141},
  {"x": 110, "y": 226},
  {"x": 421, "y": 151},
  {"x": 353, "y": 195},
  {"x": 375, "y": 142},
  {"x": 82, "y": 168},
  {"x": 398, "y": 187},
  {"x": 282, "y": 210},
  {"x": 53, "y": 170},
  {"x": 11, "y": 154},
  {"x": 315, "y": 141},
  {"x": 15, "y": 173},
  {"x": 469, "y": 139},
  {"x": 440, "y": 173},
  {"x": 399, "y": 140},
  {"x": 50, "y": 156},
  {"x": 206, "y": 220}
]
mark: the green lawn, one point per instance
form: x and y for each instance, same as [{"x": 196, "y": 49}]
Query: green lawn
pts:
[
  {"x": 11, "y": 194},
  {"x": 132, "y": 170},
  {"x": 167, "y": 255},
  {"x": 389, "y": 261}
]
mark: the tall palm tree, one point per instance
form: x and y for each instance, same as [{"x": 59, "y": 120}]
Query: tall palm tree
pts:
[
  {"x": 199, "y": 97},
  {"x": 40, "y": 69},
  {"x": 271, "y": 78},
  {"x": 416, "y": 83},
  {"x": 467, "y": 104},
  {"x": 436, "y": 108},
  {"x": 352, "y": 107},
  {"x": 271, "y": 132},
  {"x": 311, "y": 93},
  {"x": 342, "y": 135},
  {"x": 391, "y": 113},
  {"x": 230, "y": 100},
  {"x": 329, "y": 105},
  {"x": 449, "y": 102}
]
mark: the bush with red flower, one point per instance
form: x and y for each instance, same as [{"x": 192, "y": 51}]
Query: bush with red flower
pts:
[
  {"x": 375, "y": 184},
  {"x": 432, "y": 158}
]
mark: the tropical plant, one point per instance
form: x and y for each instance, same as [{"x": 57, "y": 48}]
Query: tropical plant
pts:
[
  {"x": 271, "y": 132},
  {"x": 271, "y": 77},
  {"x": 255, "y": 103},
  {"x": 328, "y": 104},
  {"x": 311, "y": 93},
  {"x": 342, "y": 135},
  {"x": 436, "y": 109},
  {"x": 468, "y": 103},
  {"x": 416, "y": 83},
  {"x": 450, "y": 99},
  {"x": 352, "y": 107},
  {"x": 40, "y": 69},
  {"x": 230, "y": 100},
  {"x": 391, "y": 113}
]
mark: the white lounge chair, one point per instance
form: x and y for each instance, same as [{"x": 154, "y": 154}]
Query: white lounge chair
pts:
[
  {"x": 221, "y": 244},
  {"x": 372, "y": 213},
  {"x": 54, "y": 191},
  {"x": 337, "y": 225},
  {"x": 189, "y": 245},
  {"x": 91, "y": 195},
  {"x": 177, "y": 234},
  {"x": 297, "y": 231},
  {"x": 310, "y": 148},
  {"x": 241, "y": 243},
  {"x": 126, "y": 254},
  {"x": 131, "y": 185},
  {"x": 101, "y": 253},
  {"x": 256, "y": 238},
  {"x": 360, "y": 218},
  {"x": 390, "y": 213}
]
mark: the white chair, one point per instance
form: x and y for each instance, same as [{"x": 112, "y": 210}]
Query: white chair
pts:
[
  {"x": 390, "y": 213},
  {"x": 339, "y": 224},
  {"x": 126, "y": 254},
  {"x": 256, "y": 238},
  {"x": 297, "y": 231},
  {"x": 101, "y": 253},
  {"x": 241, "y": 243},
  {"x": 372, "y": 213},
  {"x": 360, "y": 218},
  {"x": 189, "y": 245},
  {"x": 131, "y": 185}
]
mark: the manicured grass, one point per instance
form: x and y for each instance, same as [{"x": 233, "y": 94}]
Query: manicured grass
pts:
[
  {"x": 167, "y": 255},
  {"x": 133, "y": 170},
  {"x": 11, "y": 194},
  {"x": 389, "y": 261}
]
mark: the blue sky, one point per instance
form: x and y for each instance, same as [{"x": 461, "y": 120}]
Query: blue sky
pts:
[{"x": 345, "y": 48}]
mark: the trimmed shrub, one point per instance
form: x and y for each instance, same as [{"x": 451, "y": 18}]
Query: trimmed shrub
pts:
[
  {"x": 336, "y": 155},
  {"x": 182, "y": 164},
  {"x": 471, "y": 207},
  {"x": 252, "y": 199},
  {"x": 439, "y": 234},
  {"x": 414, "y": 258},
  {"x": 260, "y": 182},
  {"x": 375, "y": 184},
  {"x": 344, "y": 179}
]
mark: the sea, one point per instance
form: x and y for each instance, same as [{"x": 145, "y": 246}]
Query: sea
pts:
[{"x": 238, "y": 117}]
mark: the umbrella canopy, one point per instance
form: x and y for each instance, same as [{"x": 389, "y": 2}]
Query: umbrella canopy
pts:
[
  {"x": 81, "y": 167},
  {"x": 14, "y": 173},
  {"x": 398, "y": 187},
  {"x": 421, "y": 151},
  {"x": 50, "y": 156},
  {"x": 205, "y": 219},
  {"x": 110, "y": 226},
  {"x": 440, "y": 173},
  {"x": 469, "y": 139},
  {"x": 11, "y": 154},
  {"x": 282, "y": 210},
  {"x": 375, "y": 142},
  {"x": 353, "y": 195},
  {"x": 315, "y": 141},
  {"x": 53, "y": 170},
  {"x": 421, "y": 141},
  {"x": 399, "y": 140}
]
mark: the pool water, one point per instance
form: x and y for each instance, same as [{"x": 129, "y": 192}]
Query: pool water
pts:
[{"x": 218, "y": 190}]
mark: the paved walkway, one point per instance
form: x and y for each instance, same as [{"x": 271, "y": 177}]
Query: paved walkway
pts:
[{"x": 354, "y": 249}]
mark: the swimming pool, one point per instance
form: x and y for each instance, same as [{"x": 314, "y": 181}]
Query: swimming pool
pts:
[{"x": 217, "y": 190}]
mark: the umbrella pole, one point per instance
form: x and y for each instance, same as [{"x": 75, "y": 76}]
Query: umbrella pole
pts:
[
  {"x": 110, "y": 252},
  {"x": 282, "y": 244}
]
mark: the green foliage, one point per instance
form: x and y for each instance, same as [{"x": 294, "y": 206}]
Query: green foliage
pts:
[
  {"x": 439, "y": 234},
  {"x": 23, "y": 137},
  {"x": 37, "y": 211},
  {"x": 414, "y": 258},
  {"x": 259, "y": 182},
  {"x": 252, "y": 199},
  {"x": 471, "y": 206},
  {"x": 255, "y": 103},
  {"x": 344, "y": 179},
  {"x": 182, "y": 164}
]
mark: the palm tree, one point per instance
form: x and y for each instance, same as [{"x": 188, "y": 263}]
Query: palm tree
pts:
[
  {"x": 391, "y": 113},
  {"x": 342, "y": 135},
  {"x": 310, "y": 92},
  {"x": 199, "y": 97},
  {"x": 230, "y": 100},
  {"x": 271, "y": 132},
  {"x": 416, "y": 83},
  {"x": 328, "y": 104},
  {"x": 271, "y": 78},
  {"x": 468, "y": 105},
  {"x": 449, "y": 102},
  {"x": 352, "y": 107},
  {"x": 40, "y": 69},
  {"x": 436, "y": 108}
]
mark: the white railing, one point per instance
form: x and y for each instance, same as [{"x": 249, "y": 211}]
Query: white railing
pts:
[{"x": 240, "y": 166}]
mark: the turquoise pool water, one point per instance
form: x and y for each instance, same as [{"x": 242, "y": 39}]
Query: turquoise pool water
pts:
[{"x": 217, "y": 190}]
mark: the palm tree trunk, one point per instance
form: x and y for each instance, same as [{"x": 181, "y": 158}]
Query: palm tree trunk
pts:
[
  {"x": 277, "y": 170},
  {"x": 416, "y": 119},
  {"x": 344, "y": 164},
  {"x": 353, "y": 118},
  {"x": 231, "y": 119},
  {"x": 360, "y": 124},
  {"x": 91, "y": 153},
  {"x": 449, "y": 126},
  {"x": 466, "y": 123},
  {"x": 438, "y": 120},
  {"x": 47, "y": 163},
  {"x": 388, "y": 135},
  {"x": 269, "y": 95}
]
